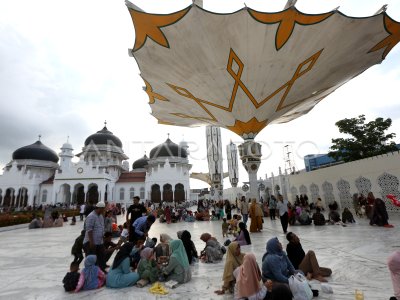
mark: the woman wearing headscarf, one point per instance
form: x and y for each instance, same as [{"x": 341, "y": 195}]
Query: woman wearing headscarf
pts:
[
  {"x": 276, "y": 266},
  {"x": 243, "y": 238},
  {"x": 379, "y": 214},
  {"x": 120, "y": 274},
  {"x": 91, "y": 277},
  {"x": 213, "y": 251},
  {"x": 393, "y": 263},
  {"x": 256, "y": 215},
  {"x": 168, "y": 215},
  {"x": 178, "y": 268},
  {"x": 248, "y": 280},
  {"x": 190, "y": 248},
  {"x": 234, "y": 259},
  {"x": 147, "y": 267},
  {"x": 162, "y": 250}
]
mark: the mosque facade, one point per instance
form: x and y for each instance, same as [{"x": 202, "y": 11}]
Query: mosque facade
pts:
[{"x": 36, "y": 175}]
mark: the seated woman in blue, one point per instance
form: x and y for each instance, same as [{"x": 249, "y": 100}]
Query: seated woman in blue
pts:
[
  {"x": 178, "y": 267},
  {"x": 276, "y": 266},
  {"x": 120, "y": 274}
]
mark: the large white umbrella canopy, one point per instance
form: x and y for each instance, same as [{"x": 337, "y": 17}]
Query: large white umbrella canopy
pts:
[{"x": 247, "y": 69}]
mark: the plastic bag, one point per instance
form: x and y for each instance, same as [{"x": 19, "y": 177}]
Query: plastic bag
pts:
[{"x": 300, "y": 288}]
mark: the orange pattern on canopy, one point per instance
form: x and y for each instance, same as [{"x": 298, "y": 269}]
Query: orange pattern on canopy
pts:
[
  {"x": 389, "y": 42},
  {"x": 252, "y": 126},
  {"x": 287, "y": 19},
  {"x": 148, "y": 25}
]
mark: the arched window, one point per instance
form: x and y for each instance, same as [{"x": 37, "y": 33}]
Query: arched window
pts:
[
  {"x": 168, "y": 195},
  {"x": 179, "y": 194},
  {"x": 121, "y": 194},
  {"x": 142, "y": 196},
  {"x": 155, "y": 193},
  {"x": 44, "y": 196},
  {"x": 131, "y": 193}
]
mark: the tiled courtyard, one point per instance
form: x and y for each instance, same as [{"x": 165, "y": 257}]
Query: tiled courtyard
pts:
[{"x": 33, "y": 262}]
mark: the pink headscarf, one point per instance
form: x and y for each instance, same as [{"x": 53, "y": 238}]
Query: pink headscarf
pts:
[
  {"x": 248, "y": 279},
  {"x": 146, "y": 253}
]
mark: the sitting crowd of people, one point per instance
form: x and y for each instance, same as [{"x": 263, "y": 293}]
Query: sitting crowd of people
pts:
[{"x": 141, "y": 260}]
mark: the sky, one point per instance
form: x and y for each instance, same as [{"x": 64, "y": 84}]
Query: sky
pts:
[{"x": 65, "y": 69}]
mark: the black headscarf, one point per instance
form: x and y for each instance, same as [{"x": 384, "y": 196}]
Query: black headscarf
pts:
[
  {"x": 123, "y": 253},
  {"x": 188, "y": 244},
  {"x": 242, "y": 227}
]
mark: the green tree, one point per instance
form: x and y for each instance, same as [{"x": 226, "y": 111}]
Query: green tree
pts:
[{"x": 367, "y": 139}]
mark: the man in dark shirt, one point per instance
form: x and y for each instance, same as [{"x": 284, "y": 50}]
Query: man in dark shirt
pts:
[
  {"x": 136, "y": 210},
  {"x": 307, "y": 263}
]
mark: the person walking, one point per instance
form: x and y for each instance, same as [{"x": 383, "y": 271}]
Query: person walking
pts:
[
  {"x": 282, "y": 207},
  {"x": 244, "y": 209},
  {"x": 272, "y": 207},
  {"x": 81, "y": 211}
]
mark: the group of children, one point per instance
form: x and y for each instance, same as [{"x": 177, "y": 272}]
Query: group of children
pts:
[{"x": 230, "y": 227}]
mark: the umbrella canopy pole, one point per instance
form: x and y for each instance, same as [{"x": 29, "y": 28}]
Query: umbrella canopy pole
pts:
[{"x": 250, "y": 154}]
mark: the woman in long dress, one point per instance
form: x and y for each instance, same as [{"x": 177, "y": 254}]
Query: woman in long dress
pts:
[
  {"x": 256, "y": 216},
  {"x": 120, "y": 274},
  {"x": 234, "y": 259},
  {"x": 212, "y": 253},
  {"x": 178, "y": 267},
  {"x": 248, "y": 280}
]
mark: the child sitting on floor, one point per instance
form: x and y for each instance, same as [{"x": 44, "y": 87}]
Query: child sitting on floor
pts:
[
  {"x": 125, "y": 233},
  {"x": 91, "y": 277},
  {"x": 71, "y": 279}
]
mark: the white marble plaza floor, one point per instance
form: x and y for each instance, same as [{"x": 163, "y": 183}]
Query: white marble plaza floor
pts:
[{"x": 34, "y": 262}]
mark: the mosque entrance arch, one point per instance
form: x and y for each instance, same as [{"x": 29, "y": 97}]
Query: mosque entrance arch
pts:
[
  {"x": 179, "y": 194},
  {"x": 65, "y": 191},
  {"x": 93, "y": 194},
  {"x": 168, "y": 195},
  {"x": 155, "y": 193},
  {"x": 9, "y": 197},
  {"x": 78, "y": 195}
]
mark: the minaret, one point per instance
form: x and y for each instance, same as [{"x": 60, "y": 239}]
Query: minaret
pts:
[
  {"x": 183, "y": 144},
  {"x": 66, "y": 155},
  {"x": 231, "y": 151},
  {"x": 214, "y": 157}
]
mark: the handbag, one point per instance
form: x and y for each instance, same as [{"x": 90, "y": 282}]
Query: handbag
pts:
[{"x": 300, "y": 288}]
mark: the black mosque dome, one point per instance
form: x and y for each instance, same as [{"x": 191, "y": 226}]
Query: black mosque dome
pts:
[
  {"x": 103, "y": 137},
  {"x": 168, "y": 149},
  {"x": 140, "y": 163},
  {"x": 36, "y": 151}
]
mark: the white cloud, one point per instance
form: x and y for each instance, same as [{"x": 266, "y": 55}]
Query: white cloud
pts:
[{"x": 65, "y": 69}]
